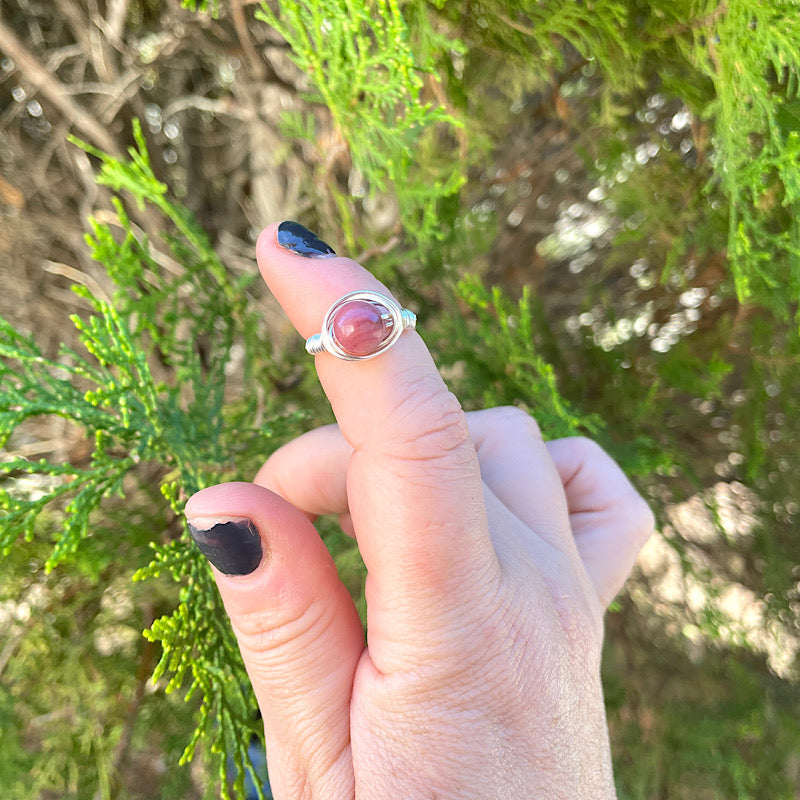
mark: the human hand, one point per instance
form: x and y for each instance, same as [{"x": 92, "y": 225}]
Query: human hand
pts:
[{"x": 491, "y": 558}]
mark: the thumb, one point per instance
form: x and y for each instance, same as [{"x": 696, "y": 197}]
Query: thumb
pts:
[{"x": 297, "y": 628}]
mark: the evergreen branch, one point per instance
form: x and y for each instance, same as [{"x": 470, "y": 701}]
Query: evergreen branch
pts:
[
  {"x": 19, "y": 514},
  {"x": 357, "y": 54},
  {"x": 755, "y": 65},
  {"x": 76, "y": 524},
  {"x": 505, "y": 360},
  {"x": 136, "y": 176},
  {"x": 199, "y": 649},
  {"x": 191, "y": 318}
]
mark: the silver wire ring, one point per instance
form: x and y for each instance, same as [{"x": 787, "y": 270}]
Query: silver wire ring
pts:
[{"x": 379, "y": 331}]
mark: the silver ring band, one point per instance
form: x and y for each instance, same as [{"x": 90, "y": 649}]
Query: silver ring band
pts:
[{"x": 361, "y": 325}]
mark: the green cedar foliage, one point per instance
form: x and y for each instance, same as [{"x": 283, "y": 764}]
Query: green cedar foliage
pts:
[
  {"x": 178, "y": 307},
  {"x": 753, "y": 59},
  {"x": 359, "y": 59},
  {"x": 735, "y": 65}
]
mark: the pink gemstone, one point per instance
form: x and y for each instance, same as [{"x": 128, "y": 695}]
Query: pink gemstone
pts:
[{"x": 359, "y": 328}]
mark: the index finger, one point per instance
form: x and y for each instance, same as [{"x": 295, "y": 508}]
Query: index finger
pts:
[{"x": 413, "y": 483}]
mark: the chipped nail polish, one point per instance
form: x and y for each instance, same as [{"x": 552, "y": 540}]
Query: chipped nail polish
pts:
[
  {"x": 233, "y": 547},
  {"x": 293, "y": 236}
]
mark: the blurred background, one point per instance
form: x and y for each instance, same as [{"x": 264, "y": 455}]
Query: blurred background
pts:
[{"x": 625, "y": 174}]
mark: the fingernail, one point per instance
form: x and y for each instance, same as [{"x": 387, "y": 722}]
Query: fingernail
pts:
[
  {"x": 293, "y": 236},
  {"x": 233, "y": 547}
]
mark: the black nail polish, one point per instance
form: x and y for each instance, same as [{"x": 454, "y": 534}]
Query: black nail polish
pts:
[
  {"x": 293, "y": 236},
  {"x": 232, "y": 547}
]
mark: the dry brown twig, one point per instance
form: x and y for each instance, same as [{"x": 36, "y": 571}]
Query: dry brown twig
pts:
[{"x": 43, "y": 81}]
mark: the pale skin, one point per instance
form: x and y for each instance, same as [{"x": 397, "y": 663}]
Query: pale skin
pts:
[{"x": 491, "y": 555}]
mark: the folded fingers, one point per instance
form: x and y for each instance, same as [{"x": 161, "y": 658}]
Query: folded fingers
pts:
[{"x": 570, "y": 495}]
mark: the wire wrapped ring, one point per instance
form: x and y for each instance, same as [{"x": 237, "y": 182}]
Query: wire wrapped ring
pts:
[{"x": 361, "y": 325}]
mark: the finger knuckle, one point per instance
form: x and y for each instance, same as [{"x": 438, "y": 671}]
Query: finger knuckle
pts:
[
  {"x": 427, "y": 422},
  {"x": 581, "y": 623},
  {"x": 266, "y": 632},
  {"x": 591, "y": 449},
  {"x": 517, "y": 420}
]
